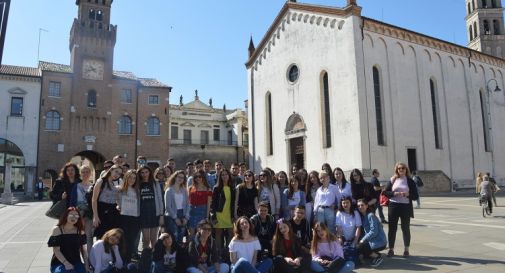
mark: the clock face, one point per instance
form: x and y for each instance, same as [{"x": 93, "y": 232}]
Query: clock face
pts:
[{"x": 92, "y": 69}]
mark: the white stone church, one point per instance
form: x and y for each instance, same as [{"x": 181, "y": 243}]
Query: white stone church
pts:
[{"x": 329, "y": 85}]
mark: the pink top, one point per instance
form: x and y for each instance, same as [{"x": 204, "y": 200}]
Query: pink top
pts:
[
  {"x": 331, "y": 249},
  {"x": 400, "y": 185}
]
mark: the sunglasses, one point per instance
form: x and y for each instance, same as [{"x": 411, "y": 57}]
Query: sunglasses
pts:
[
  {"x": 73, "y": 216},
  {"x": 248, "y": 175},
  {"x": 262, "y": 175},
  {"x": 401, "y": 168}
]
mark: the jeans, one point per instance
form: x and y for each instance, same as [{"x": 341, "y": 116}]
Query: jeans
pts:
[
  {"x": 178, "y": 231},
  {"x": 158, "y": 267},
  {"x": 326, "y": 216},
  {"x": 419, "y": 197},
  {"x": 78, "y": 268},
  {"x": 347, "y": 267},
  {"x": 223, "y": 268},
  {"x": 244, "y": 266}
]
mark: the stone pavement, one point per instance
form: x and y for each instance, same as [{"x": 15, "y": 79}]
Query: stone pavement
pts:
[{"x": 449, "y": 234}]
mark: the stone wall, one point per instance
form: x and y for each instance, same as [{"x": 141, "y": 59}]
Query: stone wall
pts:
[{"x": 435, "y": 181}]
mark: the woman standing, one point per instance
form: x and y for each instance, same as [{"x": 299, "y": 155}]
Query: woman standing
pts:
[
  {"x": 203, "y": 253},
  {"x": 168, "y": 257},
  {"x": 177, "y": 205},
  {"x": 400, "y": 190},
  {"x": 287, "y": 250},
  {"x": 343, "y": 186},
  {"x": 246, "y": 200},
  {"x": 129, "y": 209},
  {"x": 67, "y": 240},
  {"x": 269, "y": 192},
  {"x": 478, "y": 180},
  {"x": 159, "y": 176},
  {"x": 223, "y": 206},
  {"x": 292, "y": 197},
  {"x": 310, "y": 194},
  {"x": 69, "y": 177},
  {"x": 327, "y": 198},
  {"x": 79, "y": 200},
  {"x": 200, "y": 198},
  {"x": 304, "y": 179},
  {"x": 151, "y": 207},
  {"x": 361, "y": 189},
  {"x": 244, "y": 249},
  {"x": 327, "y": 169},
  {"x": 106, "y": 254},
  {"x": 327, "y": 252},
  {"x": 282, "y": 180},
  {"x": 104, "y": 201},
  {"x": 374, "y": 238}
]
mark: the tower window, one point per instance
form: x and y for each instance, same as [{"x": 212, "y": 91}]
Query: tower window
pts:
[
  {"x": 436, "y": 116},
  {"x": 474, "y": 30},
  {"x": 470, "y": 32},
  {"x": 486, "y": 27},
  {"x": 496, "y": 27},
  {"x": 484, "y": 4},
  {"x": 91, "y": 14},
  {"x": 493, "y": 4},
  {"x": 469, "y": 10},
  {"x": 99, "y": 15},
  {"x": 473, "y": 5},
  {"x": 269, "y": 127},
  {"x": 92, "y": 98}
]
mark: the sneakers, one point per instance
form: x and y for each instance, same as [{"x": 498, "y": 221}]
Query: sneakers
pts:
[
  {"x": 406, "y": 254},
  {"x": 391, "y": 253},
  {"x": 384, "y": 221},
  {"x": 376, "y": 261}
]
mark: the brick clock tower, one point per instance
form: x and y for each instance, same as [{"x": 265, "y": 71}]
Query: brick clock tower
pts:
[
  {"x": 89, "y": 111},
  {"x": 484, "y": 22}
]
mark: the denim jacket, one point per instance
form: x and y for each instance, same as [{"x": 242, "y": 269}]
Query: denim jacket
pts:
[{"x": 373, "y": 232}]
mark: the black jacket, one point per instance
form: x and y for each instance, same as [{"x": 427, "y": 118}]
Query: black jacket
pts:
[
  {"x": 181, "y": 257},
  {"x": 218, "y": 200},
  {"x": 194, "y": 255},
  {"x": 61, "y": 186},
  {"x": 413, "y": 194}
]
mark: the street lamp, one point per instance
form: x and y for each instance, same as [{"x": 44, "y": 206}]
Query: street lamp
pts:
[{"x": 488, "y": 93}]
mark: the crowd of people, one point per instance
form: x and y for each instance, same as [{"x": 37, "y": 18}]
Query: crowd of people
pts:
[{"x": 218, "y": 220}]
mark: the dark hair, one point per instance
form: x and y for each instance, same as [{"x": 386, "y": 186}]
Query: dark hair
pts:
[
  {"x": 160, "y": 248},
  {"x": 203, "y": 175},
  {"x": 158, "y": 171},
  {"x": 368, "y": 209},
  {"x": 114, "y": 232},
  {"x": 126, "y": 165},
  {"x": 241, "y": 164},
  {"x": 308, "y": 185},
  {"x": 292, "y": 190},
  {"x": 300, "y": 207},
  {"x": 63, "y": 219},
  {"x": 285, "y": 175},
  {"x": 346, "y": 198},
  {"x": 366, "y": 191},
  {"x": 198, "y": 161},
  {"x": 63, "y": 172},
  {"x": 105, "y": 176},
  {"x": 374, "y": 171},
  {"x": 263, "y": 204},
  {"x": 203, "y": 223},
  {"x": 139, "y": 175},
  {"x": 344, "y": 181},
  {"x": 219, "y": 183},
  {"x": 330, "y": 174},
  {"x": 238, "y": 232},
  {"x": 277, "y": 242},
  {"x": 189, "y": 164}
]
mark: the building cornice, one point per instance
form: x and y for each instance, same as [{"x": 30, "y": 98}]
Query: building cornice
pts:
[
  {"x": 297, "y": 11},
  {"x": 19, "y": 78},
  {"x": 385, "y": 29}
]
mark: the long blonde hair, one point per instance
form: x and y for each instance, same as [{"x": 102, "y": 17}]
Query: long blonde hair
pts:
[
  {"x": 172, "y": 178},
  {"x": 401, "y": 164},
  {"x": 130, "y": 174}
]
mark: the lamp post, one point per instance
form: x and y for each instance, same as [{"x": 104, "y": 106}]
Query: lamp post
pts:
[{"x": 488, "y": 93}]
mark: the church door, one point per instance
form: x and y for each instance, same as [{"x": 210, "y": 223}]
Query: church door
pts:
[{"x": 297, "y": 150}]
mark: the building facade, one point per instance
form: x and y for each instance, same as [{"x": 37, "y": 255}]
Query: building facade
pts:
[
  {"x": 200, "y": 131},
  {"x": 19, "y": 121},
  {"x": 90, "y": 111},
  {"x": 329, "y": 85}
]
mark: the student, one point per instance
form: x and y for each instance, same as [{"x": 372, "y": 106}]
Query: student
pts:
[
  {"x": 104, "y": 201},
  {"x": 327, "y": 253},
  {"x": 310, "y": 192},
  {"x": 203, "y": 253},
  {"x": 360, "y": 188},
  {"x": 344, "y": 187},
  {"x": 292, "y": 197},
  {"x": 325, "y": 202},
  {"x": 348, "y": 222},
  {"x": 168, "y": 257},
  {"x": 374, "y": 238},
  {"x": 78, "y": 199},
  {"x": 69, "y": 177},
  {"x": 289, "y": 256},
  {"x": 244, "y": 249},
  {"x": 106, "y": 253},
  {"x": 264, "y": 228},
  {"x": 223, "y": 206},
  {"x": 129, "y": 209},
  {"x": 200, "y": 199},
  {"x": 301, "y": 227},
  {"x": 246, "y": 200},
  {"x": 268, "y": 192},
  {"x": 378, "y": 189},
  {"x": 282, "y": 180},
  {"x": 67, "y": 240},
  {"x": 177, "y": 205},
  {"x": 151, "y": 207}
]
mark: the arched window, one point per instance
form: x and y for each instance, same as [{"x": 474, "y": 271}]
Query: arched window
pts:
[
  {"x": 484, "y": 4},
  {"x": 469, "y": 9},
  {"x": 92, "y": 98},
  {"x": 91, "y": 14},
  {"x": 470, "y": 32},
  {"x": 268, "y": 108},
  {"x": 493, "y": 4},
  {"x": 474, "y": 30},
  {"x": 99, "y": 15},
  {"x": 326, "y": 114},
  {"x": 153, "y": 126},
  {"x": 485, "y": 120},
  {"x": 436, "y": 115},
  {"x": 125, "y": 125},
  {"x": 379, "y": 119},
  {"x": 496, "y": 27},
  {"x": 486, "y": 27},
  {"x": 53, "y": 120},
  {"x": 473, "y": 5}
]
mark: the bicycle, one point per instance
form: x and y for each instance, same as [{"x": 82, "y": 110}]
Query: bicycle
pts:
[{"x": 485, "y": 205}]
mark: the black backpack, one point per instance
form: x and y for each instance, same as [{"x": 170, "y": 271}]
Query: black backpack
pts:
[{"x": 89, "y": 193}]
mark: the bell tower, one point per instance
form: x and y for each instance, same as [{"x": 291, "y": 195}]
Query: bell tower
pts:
[
  {"x": 485, "y": 27},
  {"x": 92, "y": 40}
]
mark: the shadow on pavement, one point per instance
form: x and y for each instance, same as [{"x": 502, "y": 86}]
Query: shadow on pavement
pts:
[{"x": 430, "y": 263}]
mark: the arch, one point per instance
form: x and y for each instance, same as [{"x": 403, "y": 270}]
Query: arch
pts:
[
  {"x": 91, "y": 158},
  {"x": 91, "y": 14},
  {"x": 295, "y": 124},
  {"x": 473, "y": 4},
  {"x": 435, "y": 113},
  {"x": 401, "y": 47},
  {"x": 487, "y": 29},
  {"x": 341, "y": 24},
  {"x": 99, "y": 15},
  {"x": 428, "y": 54},
  {"x": 125, "y": 125},
  {"x": 53, "y": 120},
  {"x": 153, "y": 126},
  {"x": 91, "y": 99},
  {"x": 469, "y": 10},
  {"x": 470, "y": 32},
  {"x": 475, "y": 30},
  {"x": 369, "y": 38},
  {"x": 496, "y": 27},
  {"x": 451, "y": 59},
  {"x": 11, "y": 152}
]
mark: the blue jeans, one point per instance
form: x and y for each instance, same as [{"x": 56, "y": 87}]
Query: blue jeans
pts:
[
  {"x": 347, "y": 267},
  {"x": 178, "y": 231},
  {"x": 78, "y": 268},
  {"x": 326, "y": 216},
  {"x": 158, "y": 267},
  {"x": 244, "y": 266},
  {"x": 223, "y": 268}
]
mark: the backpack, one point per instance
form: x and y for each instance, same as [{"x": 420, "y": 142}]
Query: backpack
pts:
[{"x": 418, "y": 181}]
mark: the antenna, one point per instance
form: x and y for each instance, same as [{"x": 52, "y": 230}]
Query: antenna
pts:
[{"x": 38, "y": 48}]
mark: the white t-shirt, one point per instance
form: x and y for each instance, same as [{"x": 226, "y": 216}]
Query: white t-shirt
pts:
[
  {"x": 100, "y": 260},
  {"x": 348, "y": 223},
  {"x": 245, "y": 250},
  {"x": 295, "y": 200},
  {"x": 178, "y": 200}
]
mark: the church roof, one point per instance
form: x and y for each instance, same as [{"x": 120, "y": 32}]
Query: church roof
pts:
[
  {"x": 20, "y": 70},
  {"x": 63, "y": 68}
]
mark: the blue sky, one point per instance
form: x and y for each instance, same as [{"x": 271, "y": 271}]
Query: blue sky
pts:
[{"x": 199, "y": 44}]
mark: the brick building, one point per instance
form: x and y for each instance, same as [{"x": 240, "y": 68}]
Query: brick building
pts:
[{"x": 89, "y": 111}]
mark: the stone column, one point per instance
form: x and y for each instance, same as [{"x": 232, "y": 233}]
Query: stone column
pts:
[{"x": 7, "y": 194}]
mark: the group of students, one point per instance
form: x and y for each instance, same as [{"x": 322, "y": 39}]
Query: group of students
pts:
[{"x": 200, "y": 220}]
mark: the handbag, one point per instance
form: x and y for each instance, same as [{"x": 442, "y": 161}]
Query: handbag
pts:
[
  {"x": 350, "y": 252},
  {"x": 213, "y": 218},
  {"x": 383, "y": 199},
  {"x": 57, "y": 210}
]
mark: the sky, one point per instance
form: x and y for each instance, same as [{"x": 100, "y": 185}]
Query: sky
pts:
[{"x": 199, "y": 44}]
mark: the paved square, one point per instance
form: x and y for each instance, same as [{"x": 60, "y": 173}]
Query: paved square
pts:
[{"x": 449, "y": 234}]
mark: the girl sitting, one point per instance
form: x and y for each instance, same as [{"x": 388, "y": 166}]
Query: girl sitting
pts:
[{"x": 327, "y": 252}]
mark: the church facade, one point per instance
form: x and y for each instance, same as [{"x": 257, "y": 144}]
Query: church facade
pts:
[
  {"x": 90, "y": 111},
  {"x": 329, "y": 85}
]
